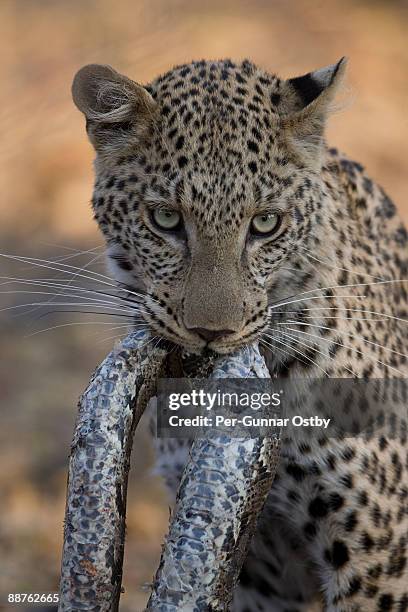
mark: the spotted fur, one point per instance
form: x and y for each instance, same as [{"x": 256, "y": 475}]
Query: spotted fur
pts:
[{"x": 220, "y": 143}]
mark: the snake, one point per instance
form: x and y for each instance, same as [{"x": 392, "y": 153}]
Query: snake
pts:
[{"x": 222, "y": 492}]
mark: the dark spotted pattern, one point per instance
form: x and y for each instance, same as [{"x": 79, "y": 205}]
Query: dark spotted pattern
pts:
[{"x": 225, "y": 142}]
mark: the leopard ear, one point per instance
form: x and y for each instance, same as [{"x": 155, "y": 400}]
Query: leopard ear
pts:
[
  {"x": 117, "y": 109},
  {"x": 311, "y": 97}
]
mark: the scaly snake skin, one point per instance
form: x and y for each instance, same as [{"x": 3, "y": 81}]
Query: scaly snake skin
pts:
[
  {"x": 94, "y": 530},
  {"x": 223, "y": 489}
]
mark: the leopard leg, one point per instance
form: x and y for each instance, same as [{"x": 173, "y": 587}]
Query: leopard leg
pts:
[{"x": 275, "y": 576}]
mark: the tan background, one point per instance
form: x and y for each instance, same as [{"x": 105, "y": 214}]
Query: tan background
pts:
[{"x": 45, "y": 187}]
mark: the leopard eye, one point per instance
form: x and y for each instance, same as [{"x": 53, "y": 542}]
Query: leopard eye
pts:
[
  {"x": 265, "y": 224},
  {"x": 166, "y": 219}
]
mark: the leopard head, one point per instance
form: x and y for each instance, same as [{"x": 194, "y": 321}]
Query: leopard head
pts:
[{"x": 208, "y": 182}]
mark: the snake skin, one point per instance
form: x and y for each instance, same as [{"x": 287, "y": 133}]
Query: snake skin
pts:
[
  {"x": 223, "y": 490},
  {"x": 109, "y": 410}
]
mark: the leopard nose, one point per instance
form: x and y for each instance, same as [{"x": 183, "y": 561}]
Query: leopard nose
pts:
[{"x": 211, "y": 334}]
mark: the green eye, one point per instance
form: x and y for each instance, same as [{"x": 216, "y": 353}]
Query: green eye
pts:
[
  {"x": 266, "y": 223},
  {"x": 166, "y": 219}
]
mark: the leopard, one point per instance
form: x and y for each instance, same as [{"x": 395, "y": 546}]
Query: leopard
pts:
[{"x": 230, "y": 220}]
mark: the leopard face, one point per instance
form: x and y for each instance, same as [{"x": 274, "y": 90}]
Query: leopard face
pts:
[{"x": 208, "y": 187}]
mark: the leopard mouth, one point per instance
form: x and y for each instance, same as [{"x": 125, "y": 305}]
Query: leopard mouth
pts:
[
  {"x": 224, "y": 345},
  {"x": 197, "y": 341},
  {"x": 195, "y": 345}
]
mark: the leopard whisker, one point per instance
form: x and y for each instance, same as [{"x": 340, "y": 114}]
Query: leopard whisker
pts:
[
  {"x": 68, "y": 269},
  {"x": 296, "y": 351},
  {"x": 347, "y": 333},
  {"x": 74, "y": 323},
  {"x": 155, "y": 337},
  {"x": 331, "y": 265},
  {"x": 74, "y": 252},
  {"x": 70, "y": 281},
  {"x": 272, "y": 347},
  {"x": 329, "y": 316},
  {"x": 72, "y": 249},
  {"x": 314, "y": 348},
  {"x": 52, "y": 265},
  {"x": 71, "y": 295},
  {"x": 308, "y": 346},
  {"x": 61, "y": 284},
  {"x": 70, "y": 289},
  {"x": 74, "y": 304},
  {"x": 315, "y": 297},
  {"x": 330, "y": 287},
  {"x": 115, "y": 337},
  {"x": 345, "y": 286},
  {"x": 298, "y": 331},
  {"x": 95, "y": 312},
  {"x": 380, "y": 314}
]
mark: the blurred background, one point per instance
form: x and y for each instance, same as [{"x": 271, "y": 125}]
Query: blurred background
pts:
[{"x": 45, "y": 185}]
